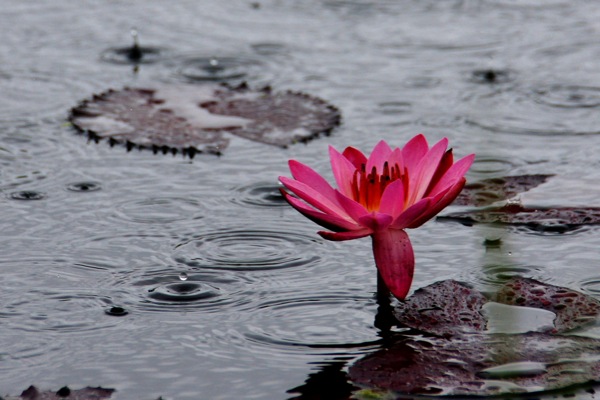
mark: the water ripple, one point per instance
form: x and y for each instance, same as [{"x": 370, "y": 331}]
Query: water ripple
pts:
[
  {"x": 327, "y": 323},
  {"x": 525, "y": 111},
  {"x": 263, "y": 194},
  {"x": 248, "y": 249},
  {"x": 160, "y": 210},
  {"x": 221, "y": 68},
  {"x": 168, "y": 290}
]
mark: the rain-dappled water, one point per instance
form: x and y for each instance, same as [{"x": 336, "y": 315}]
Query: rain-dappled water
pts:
[{"x": 191, "y": 279}]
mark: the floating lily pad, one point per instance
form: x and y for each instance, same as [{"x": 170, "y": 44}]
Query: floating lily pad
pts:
[
  {"x": 450, "y": 308},
  {"x": 191, "y": 119},
  {"x": 480, "y": 365},
  {"x": 459, "y": 358},
  {"x": 88, "y": 393},
  {"x": 538, "y": 219},
  {"x": 573, "y": 309},
  {"x": 444, "y": 308},
  {"x": 488, "y": 191}
]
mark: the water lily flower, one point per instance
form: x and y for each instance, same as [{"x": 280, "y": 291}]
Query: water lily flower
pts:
[{"x": 380, "y": 196}]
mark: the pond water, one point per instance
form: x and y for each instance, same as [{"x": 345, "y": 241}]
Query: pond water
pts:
[{"x": 226, "y": 291}]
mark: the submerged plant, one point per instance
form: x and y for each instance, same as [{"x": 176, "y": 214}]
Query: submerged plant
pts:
[{"x": 380, "y": 196}]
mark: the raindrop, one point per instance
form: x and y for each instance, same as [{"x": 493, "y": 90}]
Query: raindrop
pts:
[
  {"x": 183, "y": 276},
  {"x": 83, "y": 187},
  {"x": 183, "y": 292},
  {"x": 116, "y": 311},
  {"x": 217, "y": 69},
  {"x": 134, "y": 54},
  {"x": 490, "y": 76},
  {"x": 27, "y": 195}
]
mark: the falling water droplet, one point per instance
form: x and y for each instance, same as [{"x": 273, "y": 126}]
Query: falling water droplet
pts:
[
  {"x": 135, "y": 52},
  {"x": 183, "y": 276},
  {"x": 134, "y": 35}
]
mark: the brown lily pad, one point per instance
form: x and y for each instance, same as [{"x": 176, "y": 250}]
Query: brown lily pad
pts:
[
  {"x": 573, "y": 309},
  {"x": 444, "y": 308},
  {"x": 451, "y": 308},
  {"x": 64, "y": 393},
  {"x": 458, "y": 357},
  {"x": 488, "y": 191},
  {"x": 480, "y": 365},
  {"x": 538, "y": 219},
  {"x": 191, "y": 119}
]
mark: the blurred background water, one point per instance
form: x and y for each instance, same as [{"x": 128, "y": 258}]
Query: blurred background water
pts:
[{"x": 228, "y": 292}]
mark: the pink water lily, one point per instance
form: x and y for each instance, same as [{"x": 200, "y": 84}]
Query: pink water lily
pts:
[{"x": 380, "y": 196}]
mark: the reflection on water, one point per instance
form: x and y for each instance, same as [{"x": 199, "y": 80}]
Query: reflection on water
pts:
[{"x": 95, "y": 241}]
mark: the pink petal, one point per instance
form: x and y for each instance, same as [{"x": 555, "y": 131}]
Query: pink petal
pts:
[
  {"x": 439, "y": 202},
  {"x": 331, "y": 222},
  {"x": 455, "y": 172},
  {"x": 349, "y": 235},
  {"x": 316, "y": 199},
  {"x": 355, "y": 156},
  {"x": 395, "y": 260},
  {"x": 411, "y": 214},
  {"x": 397, "y": 158},
  {"x": 414, "y": 151},
  {"x": 352, "y": 208},
  {"x": 307, "y": 175},
  {"x": 376, "y": 221},
  {"x": 343, "y": 171},
  {"x": 445, "y": 164},
  {"x": 392, "y": 200},
  {"x": 379, "y": 156},
  {"x": 425, "y": 170}
]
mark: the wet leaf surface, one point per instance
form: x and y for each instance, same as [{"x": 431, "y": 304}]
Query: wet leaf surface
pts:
[
  {"x": 480, "y": 365},
  {"x": 444, "y": 308},
  {"x": 459, "y": 357},
  {"x": 191, "y": 119},
  {"x": 488, "y": 191},
  {"x": 573, "y": 309},
  {"x": 537, "y": 219},
  {"x": 64, "y": 393}
]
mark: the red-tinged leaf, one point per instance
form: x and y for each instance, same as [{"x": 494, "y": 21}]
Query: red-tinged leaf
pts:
[
  {"x": 573, "y": 309},
  {"x": 480, "y": 365},
  {"x": 485, "y": 192},
  {"x": 64, "y": 393},
  {"x": 537, "y": 219},
  {"x": 192, "y": 119},
  {"x": 444, "y": 308},
  {"x": 280, "y": 119}
]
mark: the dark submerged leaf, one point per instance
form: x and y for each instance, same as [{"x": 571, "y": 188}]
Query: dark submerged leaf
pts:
[
  {"x": 64, "y": 393},
  {"x": 538, "y": 219},
  {"x": 444, "y": 308},
  {"x": 485, "y": 192},
  {"x": 480, "y": 365},
  {"x": 573, "y": 309},
  {"x": 191, "y": 119}
]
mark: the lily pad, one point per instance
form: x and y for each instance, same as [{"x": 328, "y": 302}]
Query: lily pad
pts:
[
  {"x": 64, "y": 393},
  {"x": 480, "y": 365},
  {"x": 538, "y": 219},
  {"x": 191, "y": 119},
  {"x": 451, "y": 308},
  {"x": 444, "y": 308},
  {"x": 488, "y": 191},
  {"x": 459, "y": 357},
  {"x": 573, "y": 309}
]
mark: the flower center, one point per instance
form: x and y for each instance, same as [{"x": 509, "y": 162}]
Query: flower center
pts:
[{"x": 367, "y": 188}]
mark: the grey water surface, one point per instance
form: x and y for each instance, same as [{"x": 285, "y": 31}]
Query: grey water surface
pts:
[{"x": 230, "y": 293}]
